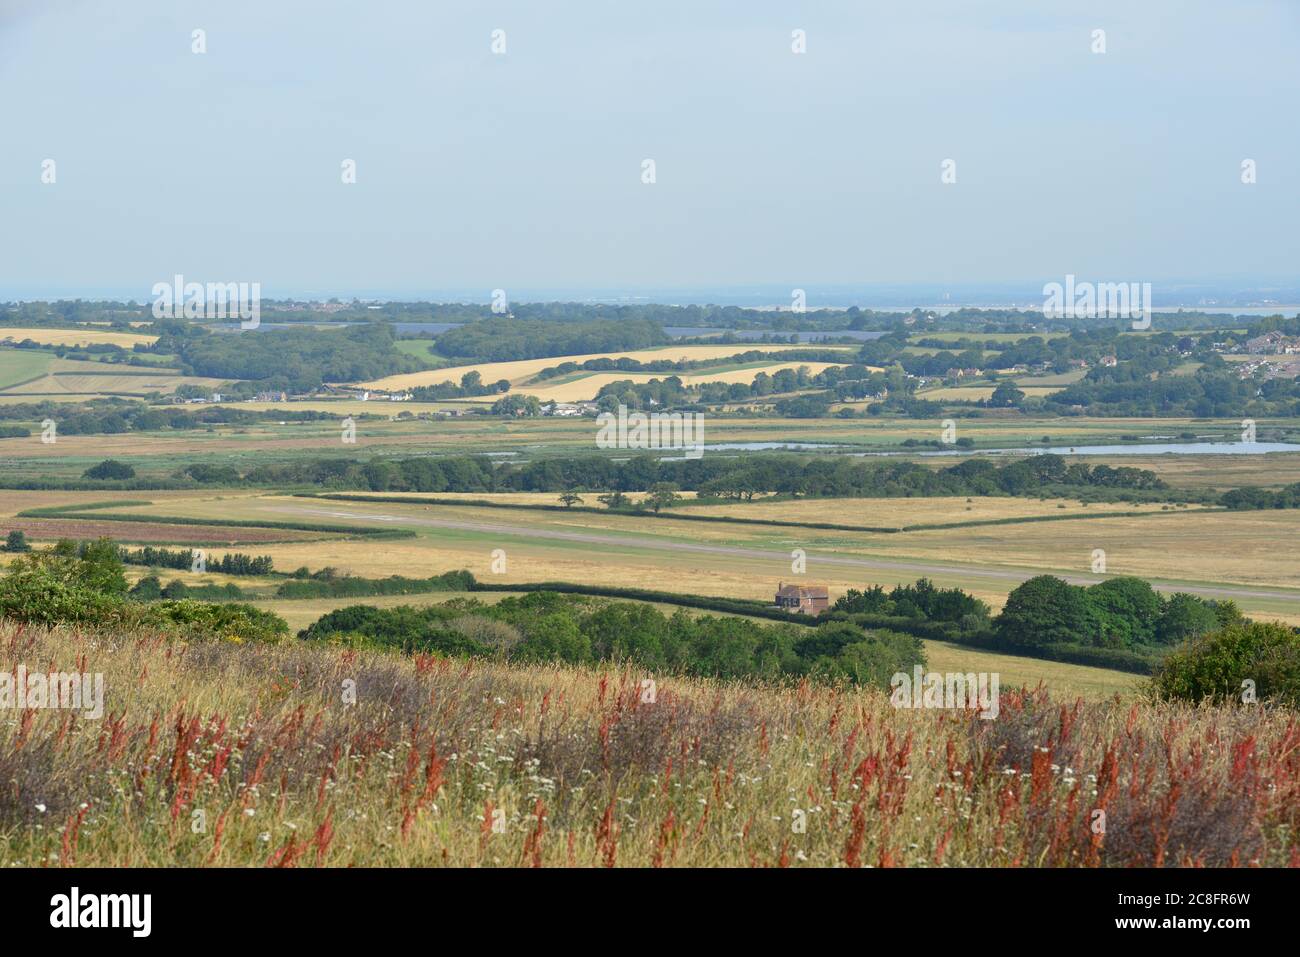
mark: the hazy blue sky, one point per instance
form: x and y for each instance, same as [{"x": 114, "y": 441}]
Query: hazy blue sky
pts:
[{"x": 524, "y": 170}]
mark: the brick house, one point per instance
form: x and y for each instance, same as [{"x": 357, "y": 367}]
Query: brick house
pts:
[{"x": 804, "y": 599}]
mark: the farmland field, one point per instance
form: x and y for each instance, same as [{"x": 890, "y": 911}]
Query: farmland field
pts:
[
  {"x": 75, "y": 337},
  {"x": 586, "y": 387},
  {"x": 522, "y": 370},
  {"x": 20, "y": 365},
  {"x": 1217, "y": 554}
]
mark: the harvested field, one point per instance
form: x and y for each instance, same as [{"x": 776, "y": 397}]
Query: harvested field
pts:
[{"x": 75, "y": 337}]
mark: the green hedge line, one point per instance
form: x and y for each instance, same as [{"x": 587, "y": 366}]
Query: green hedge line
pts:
[
  {"x": 362, "y": 587},
  {"x": 731, "y": 606}
]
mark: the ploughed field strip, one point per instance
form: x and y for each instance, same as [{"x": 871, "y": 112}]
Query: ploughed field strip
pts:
[{"x": 42, "y": 529}]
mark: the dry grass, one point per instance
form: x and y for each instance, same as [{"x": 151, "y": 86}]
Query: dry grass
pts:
[
  {"x": 898, "y": 512},
  {"x": 75, "y": 337},
  {"x": 227, "y": 755},
  {"x": 1247, "y": 548},
  {"x": 973, "y": 393}
]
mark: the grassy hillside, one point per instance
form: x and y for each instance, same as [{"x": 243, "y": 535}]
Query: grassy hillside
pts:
[{"x": 235, "y": 755}]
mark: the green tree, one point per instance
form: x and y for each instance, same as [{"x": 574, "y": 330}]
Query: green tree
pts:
[
  {"x": 100, "y": 567},
  {"x": 1128, "y": 612},
  {"x": 661, "y": 495},
  {"x": 17, "y": 541},
  {"x": 1046, "y": 611},
  {"x": 570, "y": 499},
  {"x": 1185, "y": 616},
  {"x": 146, "y": 589},
  {"x": 1006, "y": 395},
  {"x": 109, "y": 469}
]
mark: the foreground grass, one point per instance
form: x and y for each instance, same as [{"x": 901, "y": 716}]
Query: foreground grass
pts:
[{"x": 236, "y": 755}]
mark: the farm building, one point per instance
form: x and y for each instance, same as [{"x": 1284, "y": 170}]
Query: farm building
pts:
[{"x": 805, "y": 599}]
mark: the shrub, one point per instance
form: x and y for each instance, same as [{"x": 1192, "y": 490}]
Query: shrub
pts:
[
  {"x": 109, "y": 469},
  {"x": 241, "y": 624},
  {"x": 48, "y": 589},
  {"x": 17, "y": 541},
  {"x": 146, "y": 589},
  {"x": 1217, "y": 666}
]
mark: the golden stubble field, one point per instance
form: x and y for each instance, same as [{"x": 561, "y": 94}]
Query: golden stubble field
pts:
[
  {"x": 524, "y": 369},
  {"x": 76, "y": 337}
]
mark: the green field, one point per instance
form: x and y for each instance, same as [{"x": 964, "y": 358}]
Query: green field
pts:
[{"x": 21, "y": 365}]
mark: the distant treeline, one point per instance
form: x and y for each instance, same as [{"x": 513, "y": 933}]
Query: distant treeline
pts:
[
  {"x": 1247, "y": 498},
  {"x": 112, "y": 417},
  {"x": 716, "y": 475},
  {"x": 624, "y": 364},
  {"x": 294, "y": 360},
  {"x": 1211, "y": 391},
  {"x": 505, "y": 339},
  {"x": 64, "y": 313},
  {"x": 231, "y": 563},
  {"x": 151, "y": 588},
  {"x": 471, "y": 384},
  {"x": 349, "y": 587}
]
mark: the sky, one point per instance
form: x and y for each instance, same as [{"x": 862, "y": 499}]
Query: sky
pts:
[{"x": 524, "y": 169}]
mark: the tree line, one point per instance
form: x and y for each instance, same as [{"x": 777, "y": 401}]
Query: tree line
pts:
[{"x": 741, "y": 477}]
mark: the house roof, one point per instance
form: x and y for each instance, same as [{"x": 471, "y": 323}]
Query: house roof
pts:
[{"x": 803, "y": 591}]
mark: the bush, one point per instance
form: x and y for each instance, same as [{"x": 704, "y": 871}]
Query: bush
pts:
[
  {"x": 109, "y": 469},
  {"x": 48, "y": 589},
  {"x": 241, "y": 624},
  {"x": 17, "y": 541},
  {"x": 71, "y": 584},
  {"x": 1216, "y": 666},
  {"x": 146, "y": 589}
]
